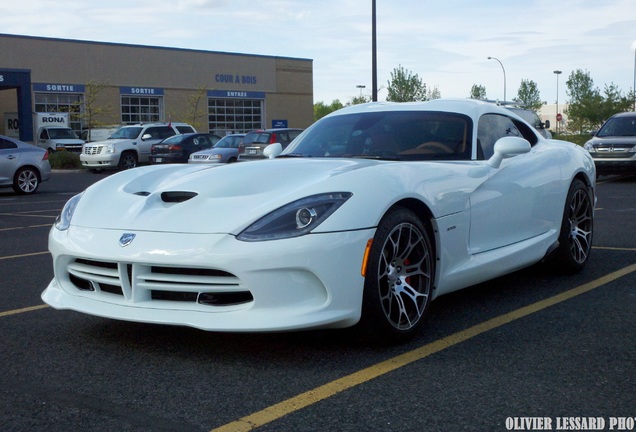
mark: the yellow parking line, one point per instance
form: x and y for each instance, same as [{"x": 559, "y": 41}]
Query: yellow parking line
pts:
[
  {"x": 23, "y": 310},
  {"x": 23, "y": 255},
  {"x": 615, "y": 248},
  {"x": 332, "y": 388}
]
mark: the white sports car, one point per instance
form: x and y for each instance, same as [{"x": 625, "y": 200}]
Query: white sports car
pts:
[{"x": 371, "y": 213}]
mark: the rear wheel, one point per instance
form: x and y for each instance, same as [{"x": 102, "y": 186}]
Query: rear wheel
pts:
[
  {"x": 26, "y": 181},
  {"x": 127, "y": 160},
  {"x": 577, "y": 226},
  {"x": 399, "y": 278}
]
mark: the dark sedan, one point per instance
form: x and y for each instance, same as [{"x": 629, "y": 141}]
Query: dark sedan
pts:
[{"x": 177, "y": 148}]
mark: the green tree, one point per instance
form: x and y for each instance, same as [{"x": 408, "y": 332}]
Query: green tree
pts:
[
  {"x": 197, "y": 110},
  {"x": 528, "y": 95},
  {"x": 93, "y": 113},
  {"x": 357, "y": 100},
  {"x": 614, "y": 101},
  {"x": 321, "y": 109},
  {"x": 584, "y": 102},
  {"x": 405, "y": 86},
  {"x": 433, "y": 94},
  {"x": 478, "y": 92}
]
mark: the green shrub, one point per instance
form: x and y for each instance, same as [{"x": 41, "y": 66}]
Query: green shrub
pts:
[{"x": 64, "y": 160}]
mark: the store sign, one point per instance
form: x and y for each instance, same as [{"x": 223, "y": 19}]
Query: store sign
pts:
[
  {"x": 236, "y": 94},
  {"x": 58, "y": 88},
  {"x": 277, "y": 124},
  {"x": 225, "y": 78},
  {"x": 141, "y": 91}
]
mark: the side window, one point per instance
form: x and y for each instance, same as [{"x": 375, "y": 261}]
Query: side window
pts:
[
  {"x": 44, "y": 135},
  {"x": 185, "y": 129},
  {"x": 293, "y": 134},
  {"x": 160, "y": 132},
  {"x": 492, "y": 127},
  {"x": 5, "y": 145}
]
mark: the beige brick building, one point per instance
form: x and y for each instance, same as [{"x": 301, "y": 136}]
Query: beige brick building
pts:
[{"x": 111, "y": 84}]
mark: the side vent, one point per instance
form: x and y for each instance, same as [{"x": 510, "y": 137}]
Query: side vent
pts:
[{"x": 177, "y": 196}]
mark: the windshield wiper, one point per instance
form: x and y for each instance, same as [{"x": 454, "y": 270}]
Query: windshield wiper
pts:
[
  {"x": 292, "y": 155},
  {"x": 377, "y": 157}
]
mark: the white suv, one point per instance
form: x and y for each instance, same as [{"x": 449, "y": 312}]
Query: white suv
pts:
[{"x": 129, "y": 145}]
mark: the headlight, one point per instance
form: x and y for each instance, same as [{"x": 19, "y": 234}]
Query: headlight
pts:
[
  {"x": 589, "y": 147},
  {"x": 295, "y": 219},
  {"x": 63, "y": 221},
  {"x": 110, "y": 148}
]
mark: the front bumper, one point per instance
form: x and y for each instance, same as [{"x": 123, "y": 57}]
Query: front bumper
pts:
[
  {"x": 615, "y": 165},
  {"x": 99, "y": 160},
  {"x": 210, "y": 281}
]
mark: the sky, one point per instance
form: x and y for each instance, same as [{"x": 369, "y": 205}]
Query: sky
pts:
[{"x": 445, "y": 43}]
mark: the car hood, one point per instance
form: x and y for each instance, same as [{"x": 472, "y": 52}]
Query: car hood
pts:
[
  {"x": 229, "y": 198},
  {"x": 629, "y": 139},
  {"x": 67, "y": 141},
  {"x": 109, "y": 141}
]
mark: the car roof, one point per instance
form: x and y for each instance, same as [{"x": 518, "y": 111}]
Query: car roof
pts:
[{"x": 470, "y": 107}]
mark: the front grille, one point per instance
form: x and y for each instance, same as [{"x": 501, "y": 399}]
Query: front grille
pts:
[
  {"x": 613, "y": 151},
  {"x": 92, "y": 150},
  {"x": 163, "y": 285}
]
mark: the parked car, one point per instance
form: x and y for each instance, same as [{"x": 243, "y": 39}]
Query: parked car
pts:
[
  {"x": 178, "y": 148},
  {"x": 23, "y": 166},
  {"x": 224, "y": 151},
  {"x": 369, "y": 215},
  {"x": 254, "y": 142},
  {"x": 613, "y": 147},
  {"x": 129, "y": 145}
]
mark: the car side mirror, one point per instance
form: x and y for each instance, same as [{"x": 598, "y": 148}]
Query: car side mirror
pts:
[
  {"x": 546, "y": 125},
  {"x": 145, "y": 137},
  {"x": 508, "y": 147},
  {"x": 273, "y": 150}
]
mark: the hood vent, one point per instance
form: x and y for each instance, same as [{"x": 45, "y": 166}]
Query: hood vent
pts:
[{"x": 177, "y": 196}]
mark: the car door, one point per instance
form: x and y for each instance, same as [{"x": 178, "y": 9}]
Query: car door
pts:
[
  {"x": 9, "y": 158},
  {"x": 518, "y": 200},
  {"x": 157, "y": 134}
]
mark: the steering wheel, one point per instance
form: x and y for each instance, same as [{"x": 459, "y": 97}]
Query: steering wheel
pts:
[{"x": 436, "y": 146}]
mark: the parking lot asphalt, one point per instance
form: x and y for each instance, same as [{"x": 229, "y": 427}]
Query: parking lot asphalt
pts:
[{"x": 523, "y": 352}]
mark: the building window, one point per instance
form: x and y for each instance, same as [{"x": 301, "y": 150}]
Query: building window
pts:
[
  {"x": 61, "y": 103},
  {"x": 140, "y": 109},
  {"x": 234, "y": 115}
]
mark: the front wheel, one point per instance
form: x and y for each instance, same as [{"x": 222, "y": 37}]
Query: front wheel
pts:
[
  {"x": 127, "y": 160},
  {"x": 399, "y": 278},
  {"x": 26, "y": 181},
  {"x": 577, "y": 226}
]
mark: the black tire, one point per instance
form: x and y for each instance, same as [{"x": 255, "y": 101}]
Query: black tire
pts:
[
  {"x": 577, "y": 228},
  {"x": 127, "y": 160},
  {"x": 399, "y": 279},
  {"x": 26, "y": 181}
]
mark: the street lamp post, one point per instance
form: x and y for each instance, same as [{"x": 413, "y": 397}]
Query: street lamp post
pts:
[
  {"x": 360, "y": 86},
  {"x": 504, "y": 74},
  {"x": 374, "y": 56},
  {"x": 557, "y": 73}
]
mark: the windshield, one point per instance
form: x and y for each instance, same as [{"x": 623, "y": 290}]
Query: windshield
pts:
[
  {"x": 409, "y": 135},
  {"x": 62, "y": 134},
  {"x": 128, "y": 132},
  {"x": 229, "y": 141},
  {"x": 257, "y": 138},
  {"x": 619, "y": 127},
  {"x": 175, "y": 139},
  {"x": 529, "y": 116}
]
